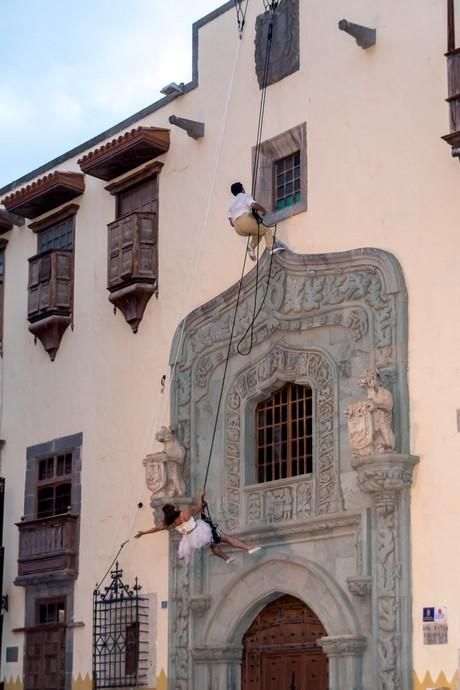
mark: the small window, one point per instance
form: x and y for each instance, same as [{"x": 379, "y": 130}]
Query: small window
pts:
[
  {"x": 50, "y": 611},
  {"x": 282, "y": 174},
  {"x": 59, "y": 236},
  {"x": 54, "y": 486},
  {"x": 287, "y": 190},
  {"x": 284, "y": 434}
]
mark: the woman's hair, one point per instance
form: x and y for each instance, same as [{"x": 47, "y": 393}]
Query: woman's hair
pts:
[{"x": 171, "y": 513}]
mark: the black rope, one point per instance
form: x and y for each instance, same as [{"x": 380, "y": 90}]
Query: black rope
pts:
[
  {"x": 255, "y": 171},
  {"x": 255, "y": 310}
]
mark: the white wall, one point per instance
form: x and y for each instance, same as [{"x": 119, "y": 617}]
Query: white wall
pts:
[{"x": 379, "y": 175}]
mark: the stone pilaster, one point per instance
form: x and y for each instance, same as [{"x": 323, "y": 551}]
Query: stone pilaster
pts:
[
  {"x": 345, "y": 660},
  {"x": 388, "y": 479},
  {"x": 217, "y": 668}
]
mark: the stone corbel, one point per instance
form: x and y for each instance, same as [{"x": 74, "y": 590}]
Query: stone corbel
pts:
[
  {"x": 200, "y": 604},
  {"x": 384, "y": 475},
  {"x": 345, "y": 654},
  {"x": 363, "y": 35},
  {"x": 194, "y": 129},
  {"x": 360, "y": 585}
]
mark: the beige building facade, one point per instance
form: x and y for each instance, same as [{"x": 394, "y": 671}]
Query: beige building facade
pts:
[{"x": 120, "y": 280}]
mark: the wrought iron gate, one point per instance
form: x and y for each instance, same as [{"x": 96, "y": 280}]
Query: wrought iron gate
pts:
[{"x": 120, "y": 635}]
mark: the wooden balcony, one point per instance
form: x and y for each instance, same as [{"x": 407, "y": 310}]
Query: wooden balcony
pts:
[
  {"x": 132, "y": 272},
  {"x": 48, "y": 546},
  {"x": 50, "y": 296},
  {"x": 453, "y": 81}
]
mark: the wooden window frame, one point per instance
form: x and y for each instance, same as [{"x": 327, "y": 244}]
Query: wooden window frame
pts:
[
  {"x": 3, "y": 244},
  {"x": 45, "y": 602},
  {"x": 295, "y": 178},
  {"x": 288, "y": 465},
  {"x": 53, "y": 483}
]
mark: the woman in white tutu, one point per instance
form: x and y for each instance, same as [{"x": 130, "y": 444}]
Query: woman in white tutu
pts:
[{"x": 197, "y": 532}]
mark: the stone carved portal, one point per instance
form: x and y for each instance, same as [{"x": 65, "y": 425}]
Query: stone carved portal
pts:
[{"x": 325, "y": 319}]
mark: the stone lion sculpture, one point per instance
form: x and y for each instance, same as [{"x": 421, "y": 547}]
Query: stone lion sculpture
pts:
[
  {"x": 164, "y": 471},
  {"x": 369, "y": 420}
]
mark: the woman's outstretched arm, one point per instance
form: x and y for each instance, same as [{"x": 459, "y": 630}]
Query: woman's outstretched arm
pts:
[{"x": 152, "y": 530}]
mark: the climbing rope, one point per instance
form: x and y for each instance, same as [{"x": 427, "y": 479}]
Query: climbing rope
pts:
[{"x": 255, "y": 310}]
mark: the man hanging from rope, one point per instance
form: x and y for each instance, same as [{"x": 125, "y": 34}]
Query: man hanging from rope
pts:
[
  {"x": 197, "y": 532},
  {"x": 243, "y": 216}
]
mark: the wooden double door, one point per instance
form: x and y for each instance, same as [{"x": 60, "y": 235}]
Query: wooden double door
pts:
[{"x": 280, "y": 650}]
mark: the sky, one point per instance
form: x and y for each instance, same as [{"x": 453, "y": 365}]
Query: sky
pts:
[{"x": 69, "y": 69}]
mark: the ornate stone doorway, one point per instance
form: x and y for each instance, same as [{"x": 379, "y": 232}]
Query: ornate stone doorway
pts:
[{"x": 280, "y": 650}]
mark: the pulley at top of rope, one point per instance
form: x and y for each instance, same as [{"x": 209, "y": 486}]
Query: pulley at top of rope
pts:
[
  {"x": 271, "y": 5},
  {"x": 241, "y": 15}
]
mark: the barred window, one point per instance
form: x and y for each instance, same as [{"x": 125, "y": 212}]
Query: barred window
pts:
[
  {"x": 287, "y": 181},
  {"x": 284, "y": 434},
  {"x": 54, "y": 485}
]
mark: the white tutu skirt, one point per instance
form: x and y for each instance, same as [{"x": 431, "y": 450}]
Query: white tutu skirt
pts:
[{"x": 196, "y": 539}]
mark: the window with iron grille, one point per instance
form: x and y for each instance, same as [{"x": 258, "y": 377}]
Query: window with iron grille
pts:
[
  {"x": 284, "y": 434},
  {"x": 59, "y": 236},
  {"x": 54, "y": 485},
  {"x": 287, "y": 182},
  {"x": 120, "y": 635}
]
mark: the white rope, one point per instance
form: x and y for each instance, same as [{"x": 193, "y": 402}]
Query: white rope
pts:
[{"x": 191, "y": 282}]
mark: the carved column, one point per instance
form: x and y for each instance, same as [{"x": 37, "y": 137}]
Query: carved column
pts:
[
  {"x": 217, "y": 668},
  {"x": 345, "y": 660},
  {"x": 388, "y": 479}
]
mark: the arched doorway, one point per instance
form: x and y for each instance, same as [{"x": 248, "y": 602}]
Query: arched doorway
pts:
[{"x": 280, "y": 650}]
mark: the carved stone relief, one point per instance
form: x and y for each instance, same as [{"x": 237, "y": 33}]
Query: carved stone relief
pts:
[
  {"x": 284, "y": 51},
  {"x": 164, "y": 471},
  {"x": 295, "y": 500},
  {"x": 369, "y": 420}
]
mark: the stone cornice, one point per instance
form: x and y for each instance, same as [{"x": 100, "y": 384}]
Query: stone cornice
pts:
[{"x": 317, "y": 526}]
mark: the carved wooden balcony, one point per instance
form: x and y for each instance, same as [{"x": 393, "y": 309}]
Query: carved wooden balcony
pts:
[
  {"x": 50, "y": 297},
  {"x": 47, "y": 546},
  {"x": 453, "y": 81},
  {"x": 133, "y": 264}
]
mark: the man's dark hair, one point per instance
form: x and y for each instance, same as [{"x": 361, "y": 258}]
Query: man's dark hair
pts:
[
  {"x": 171, "y": 513},
  {"x": 236, "y": 188}
]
